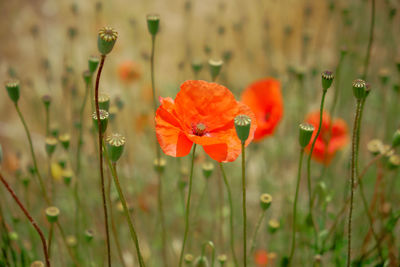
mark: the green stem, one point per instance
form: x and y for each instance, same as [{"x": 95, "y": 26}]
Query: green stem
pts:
[
  {"x": 295, "y": 207},
  {"x": 244, "y": 205},
  {"x": 203, "y": 251},
  {"x": 50, "y": 238},
  {"x": 309, "y": 186},
  {"x": 370, "y": 40},
  {"x": 100, "y": 141},
  {"x": 258, "y": 225},
  {"x": 232, "y": 233},
  {"x": 47, "y": 121},
  {"x": 42, "y": 186},
  {"x": 69, "y": 250},
  {"x": 187, "y": 207}
]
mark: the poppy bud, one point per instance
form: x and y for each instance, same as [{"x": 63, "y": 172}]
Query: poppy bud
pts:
[
  {"x": 159, "y": 165},
  {"x": 201, "y": 261},
  {"x": 106, "y": 39},
  {"x": 265, "y": 201},
  {"x": 64, "y": 140},
  {"x": 103, "y": 120},
  {"x": 197, "y": 66},
  {"x": 222, "y": 259},
  {"x": 52, "y": 214},
  {"x": 67, "y": 176},
  {"x": 153, "y": 21},
  {"x": 359, "y": 89},
  {"x": 273, "y": 225},
  {"x": 87, "y": 76},
  {"x": 93, "y": 62},
  {"x": 115, "y": 146},
  {"x": 46, "y": 99},
  {"x": 51, "y": 143},
  {"x": 396, "y": 138},
  {"x": 215, "y": 68},
  {"x": 104, "y": 101},
  {"x": 88, "y": 235},
  {"x": 208, "y": 169},
  {"x": 13, "y": 90},
  {"x": 242, "y": 126},
  {"x": 305, "y": 133},
  {"x": 37, "y": 264},
  {"x": 327, "y": 79},
  {"x": 394, "y": 162},
  {"x": 188, "y": 258},
  {"x": 375, "y": 146},
  {"x": 71, "y": 241}
]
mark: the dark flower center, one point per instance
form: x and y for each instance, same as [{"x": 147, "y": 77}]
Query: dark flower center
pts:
[{"x": 199, "y": 129}]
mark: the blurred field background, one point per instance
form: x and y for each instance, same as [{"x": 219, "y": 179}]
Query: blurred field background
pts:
[{"x": 46, "y": 45}]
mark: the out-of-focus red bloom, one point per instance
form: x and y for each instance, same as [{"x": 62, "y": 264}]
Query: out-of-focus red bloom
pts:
[
  {"x": 333, "y": 137},
  {"x": 265, "y": 100},
  {"x": 202, "y": 113},
  {"x": 129, "y": 71},
  {"x": 261, "y": 258}
]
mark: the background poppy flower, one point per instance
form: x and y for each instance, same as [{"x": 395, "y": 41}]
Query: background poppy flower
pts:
[
  {"x": 129, "y": 71},
  {"x": 331, "y": 138},
  {"x": 261, "y": 258},
  {"x": 202, "y": 113},
  {"x": 265, "y": 100}
]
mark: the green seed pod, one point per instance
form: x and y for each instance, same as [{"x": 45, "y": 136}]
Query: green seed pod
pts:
[
  {"x": 104, "y": 101},
  {"x": 87, "y": 76},
  {"x": 106, "y": 40},
  {"x": 359, "y": 89},
  {"x": 273, "y": 225},
  {"x": 375, "y": 146},
  {"x": 384, "y": 76},
  {"x": 103, "y": 120},
  {"x": 242, "y": 126},
  {"x": 71, "y": 241},
  {"x": 115, "y": 146},
  {"x": 222, "y": 258},
  {"x": 396, "y": 138},
  {"x": 37, "y": 264},
  {"x": 93, "y": 63},
  {"x": 52, "y": 214},
  {"x": 265, "y": 201},
  {"x": 396, "y": 88},
  {"x": 54, "y": 131},
  {"x": 88, "y": 235},
  {"x": 207, "y": 168},
  {"x": 215, "y": 67},
  {"x": 227, "y": 56},
  {"x": 13, "y": 90},
  {"x": 62, "y": 162},
  {"x": 159, "y": 165},
  {"x": 201, "y": 261},
  {"x": 188, "y": 258},
  {"x": 51, "y": 143},
  {"x": 305, "y": 133},
  {"x": 67, "y": 176},
  {"x": 197, "y": 66},
  {"x": 387, "y": 151},
  {"x": 327, "y": 79},
  {"x": 394, "y": 162},
  {"x": 25, "y": 181},
  {"x": 153, "y": 22},
  {"x": 65, "y": 140},
  {"x": 113, "y": 112},
  {"x": 46, "y": 99}
]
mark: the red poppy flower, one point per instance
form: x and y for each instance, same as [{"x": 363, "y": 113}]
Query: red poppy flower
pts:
[
  {"x": 202, "y": 113},
  {"x": 333, "y": 137},
  {"x": 261, "y": 258},
  {"x": 129, "y": 71},
  {"x": 265, "y": 100}
]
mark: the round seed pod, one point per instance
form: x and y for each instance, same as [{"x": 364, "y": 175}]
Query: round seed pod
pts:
[
  {"x": 359, "y": 88},
  {"x": 106, "y": 40},
  {"x": 37, "y": 264},
  {"x": 327, "y": 79},
  {"x": 115, "y": 146},
  {"x": 242, "y": 126},
  {"x": 305, "y": 133},
  {"x": 197, "y": 66},
  {"x": 52, "y": 214},
  {"x": 188, "y": 258},
  {"x": 88, "y": 235},
  {"x": 207, "y": 168},
  {"x": 67, "y": 176},
  {"x": 159, "y": 165},
  {"x": 273, "y": 225},
  {"x": 87, "y": 76},
  {"x": 265, "y": 201},
  {"x": 50, "y": 143},
  {"x": 103, "y": 120},
  {"x": 153, "y": 22},
  {"x": 65, "y": 140},
  {"x": 104, "y": 101},
  {"x": 375, "y": 146},
  {"x": 93, "y": 62},
  {"x": 215, "y": 67},
  {"x": 13, "y": 90},
  {"x": 222, "y": 258}
]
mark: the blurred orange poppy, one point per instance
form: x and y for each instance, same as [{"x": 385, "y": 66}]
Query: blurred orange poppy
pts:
[
  {"x": 202, "y": 113},
  {"x": 261, "y": 258},
  {"x": 265, "y": 100},
  {"x": 333, "y": 137},
  {"x": 129, "y": 71}
]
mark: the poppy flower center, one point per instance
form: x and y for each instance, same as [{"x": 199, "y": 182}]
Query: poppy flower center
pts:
[{"x": 199, "y": 129}]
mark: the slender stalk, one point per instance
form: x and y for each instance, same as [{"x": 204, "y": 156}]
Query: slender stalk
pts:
[
  {"x": 50, "y": 238},
  {"x": 47, "y": 113},
  {"x": 187, "y": 214},
  {"x": 31, "y": 220},
  {"x": 295, "y": 207},
  {"x": 231, "y": 228},
  {"x": 370, "y": 40},
  {"x": 352, "y": 178},
  {"x": 71, "y": 254},
  {"x": 203, "y": 251},
  {"x": 158, "y": 153},
  {"x": 258, "y": 225},
  {"x": 309, "y": 186},
  {"x": 103, "y": 192},
  {"x": 41, "y": 183},
  {"x": 244, "y": 205}
]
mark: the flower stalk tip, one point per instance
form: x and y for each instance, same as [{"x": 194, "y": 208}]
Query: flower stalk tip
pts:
[
  {"x": 215, "y": 67},
  {"x": 106, "y": 40},
  {"x": 153, "y": 22},
  {"x": 50, "y": 144},
  {"x": 93, "y": 62},
  {"x": 13, "y": 90}
]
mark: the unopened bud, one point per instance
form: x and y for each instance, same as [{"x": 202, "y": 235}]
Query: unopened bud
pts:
[
  {"x": 51, "y": 143},
  {"x": 13, "y": 90},
  {"x": 327, "y": 79}
]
